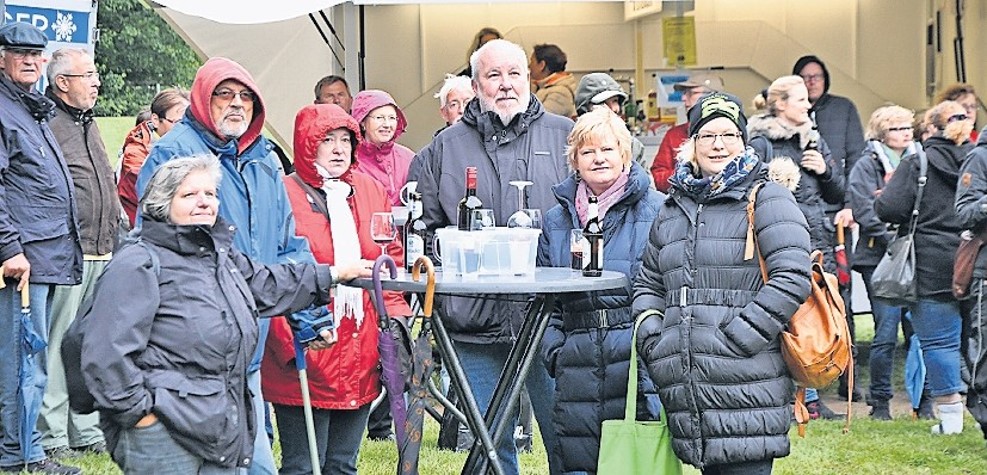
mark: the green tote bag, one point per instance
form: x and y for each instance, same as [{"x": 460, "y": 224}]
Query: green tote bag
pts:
[{"x": 631, "y": 447}]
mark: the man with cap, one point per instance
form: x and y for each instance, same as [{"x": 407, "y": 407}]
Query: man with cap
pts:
[
  {"x": 39, "y": 244},
  {"x": 600, "y": 89},
  {"x": 838, "y": 123},
  {"x": 692, "y": 89},
  {"x": 225, "y": 118}
]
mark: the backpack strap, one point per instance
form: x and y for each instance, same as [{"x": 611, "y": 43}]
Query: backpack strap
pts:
[{"x": 751, "y": 247}]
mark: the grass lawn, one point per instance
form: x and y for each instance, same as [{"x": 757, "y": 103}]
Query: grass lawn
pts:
[{"x": 114, "y": 131}]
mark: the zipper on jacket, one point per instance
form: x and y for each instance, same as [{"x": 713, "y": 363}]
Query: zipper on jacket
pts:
[{"x": 687, "y": 320}]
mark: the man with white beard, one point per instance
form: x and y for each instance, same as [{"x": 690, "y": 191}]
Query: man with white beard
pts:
[
  {"x": 507, "y": 136},
  {"x": 225, "y": 118}
]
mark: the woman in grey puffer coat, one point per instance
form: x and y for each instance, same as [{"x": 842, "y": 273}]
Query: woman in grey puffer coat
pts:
[{"x": 713, "y": 349}]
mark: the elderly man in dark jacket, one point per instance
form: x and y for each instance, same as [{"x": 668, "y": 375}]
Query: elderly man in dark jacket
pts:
[
  {"x": 73, "y": 84},
  {"x": 38, "y": 244},
  {"x": 507, "y": 135}
]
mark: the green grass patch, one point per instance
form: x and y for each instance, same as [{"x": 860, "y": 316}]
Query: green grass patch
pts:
[{"x": 114, "y": 130}]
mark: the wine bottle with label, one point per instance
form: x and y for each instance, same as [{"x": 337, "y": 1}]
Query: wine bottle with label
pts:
[
  {"x": 469, "y": 202},
  {"x": 593, "y": 233},
  {"x": 414, "y": 232}
]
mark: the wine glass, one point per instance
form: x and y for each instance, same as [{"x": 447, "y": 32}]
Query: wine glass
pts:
[
  {"x": 521, "y": 218},
  {"x": 382, "y": 229}
]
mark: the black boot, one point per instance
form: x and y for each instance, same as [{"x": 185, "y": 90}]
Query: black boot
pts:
[
  {"x": 880, "y": 410},
  {"x": 925, "y": 408}
]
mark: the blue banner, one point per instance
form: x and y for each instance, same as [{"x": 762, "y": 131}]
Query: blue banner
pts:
[{"x": 65, "y": 26}]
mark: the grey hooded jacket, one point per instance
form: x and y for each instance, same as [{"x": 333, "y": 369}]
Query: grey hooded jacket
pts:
[
  {"x": 532, "y": 147},
  {"x": 714, "y": 351}
]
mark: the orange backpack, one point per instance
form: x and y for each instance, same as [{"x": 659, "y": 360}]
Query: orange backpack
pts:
[{"x": 816, "y": 345}]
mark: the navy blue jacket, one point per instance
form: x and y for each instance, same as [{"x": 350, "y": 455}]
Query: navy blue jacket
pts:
[
  {"x": 589, "y": 359},
  {"x": 37, "y": 198}
]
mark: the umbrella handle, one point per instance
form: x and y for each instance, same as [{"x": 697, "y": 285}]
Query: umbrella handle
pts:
[
  {"x": 25, "y": 296},
  {"x": 378, "y": 290},
  {"x": 426, "y": 263}
]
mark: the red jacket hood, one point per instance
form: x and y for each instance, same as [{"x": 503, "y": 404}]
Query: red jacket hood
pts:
[
  {"x": 215, "y": 71},
  {"x": 312, "y": 124},
  {"x": 366, "y": 101}
]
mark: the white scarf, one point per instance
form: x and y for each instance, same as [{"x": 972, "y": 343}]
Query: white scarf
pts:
[{"x": 348, "y": 301}]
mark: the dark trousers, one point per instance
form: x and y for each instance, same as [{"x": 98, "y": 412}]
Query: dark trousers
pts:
[
  {"x": 380, "y": 421},
  {"x": 338, "y": 435}
]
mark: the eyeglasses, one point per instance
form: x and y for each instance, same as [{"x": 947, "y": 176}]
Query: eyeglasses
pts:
[
  {"x": 385, "y": 118},
  {"x": 227, "y": 95},
  {"x": 729, "y": 138},
  {"x": 21, "y": 52},
  {"x": 956, "y": 118},
  {"x": 900, "y": 129},
  {"x": 813, "y": 77},
  {"x": 171, "y": 121},
  {"x": 90, "y": 76}
]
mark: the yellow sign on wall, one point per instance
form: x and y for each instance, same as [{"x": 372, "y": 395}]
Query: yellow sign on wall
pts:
[{"x": 679, "y": 36}]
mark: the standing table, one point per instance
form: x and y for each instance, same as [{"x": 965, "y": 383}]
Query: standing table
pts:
[{"x": 541, "y": 289}]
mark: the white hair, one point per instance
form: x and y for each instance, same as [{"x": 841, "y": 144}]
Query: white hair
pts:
[
  {"x": 452, "y": 83},
  {"x": 62, "y": 61}
]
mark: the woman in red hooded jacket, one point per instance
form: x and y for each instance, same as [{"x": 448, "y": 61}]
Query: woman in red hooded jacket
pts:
[{"x": 332, "y": 204}]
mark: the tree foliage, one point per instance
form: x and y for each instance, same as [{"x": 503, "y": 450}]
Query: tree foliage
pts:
[{"x": 138, "y": 54}]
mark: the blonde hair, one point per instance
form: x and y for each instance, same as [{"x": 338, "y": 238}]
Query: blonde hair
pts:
[
  {"x": 882, "y": 119},
  {"x": 779, "y": 90},
  {"x": 593, "y": 127},
  {"x": 939, "y": 115}
]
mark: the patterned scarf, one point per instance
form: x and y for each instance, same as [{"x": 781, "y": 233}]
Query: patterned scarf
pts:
[
  {"x": 738, "y": 169},
  {"x": 605, "y": 200}
]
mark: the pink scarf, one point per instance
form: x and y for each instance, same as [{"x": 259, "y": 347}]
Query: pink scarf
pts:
[{"x": 606, "y": 199}]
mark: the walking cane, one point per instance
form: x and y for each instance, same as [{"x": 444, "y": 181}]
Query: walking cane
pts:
[{"x": 307, "y": 406}]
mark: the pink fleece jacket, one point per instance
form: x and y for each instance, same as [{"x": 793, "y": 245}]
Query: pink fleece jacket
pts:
[{"x": 386, "y": 162}]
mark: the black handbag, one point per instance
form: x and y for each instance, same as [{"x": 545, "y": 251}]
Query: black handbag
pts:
[{"x": 894, "y": 276}]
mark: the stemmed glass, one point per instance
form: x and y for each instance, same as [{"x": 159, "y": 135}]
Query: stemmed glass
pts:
[
  {"x": 382, "y": 229},
  {"x": 523, "y": 217}
]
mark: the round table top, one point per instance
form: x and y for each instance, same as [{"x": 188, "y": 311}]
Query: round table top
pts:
[{"x": 545, "y": 280}]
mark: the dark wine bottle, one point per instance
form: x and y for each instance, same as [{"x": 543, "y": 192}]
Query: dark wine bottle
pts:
[
  {"x": 593, "y": 233},
  {"x": 469, "y": 202},
  {"x": 414, "y": 232}
]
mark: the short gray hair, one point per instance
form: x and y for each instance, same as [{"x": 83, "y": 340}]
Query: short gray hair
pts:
[
  {"x": 453, "y": 83},
  {"x": 61, "y": 62},
  {"x": 156, "y": 202},
  {"x": 493, "y": 44}
]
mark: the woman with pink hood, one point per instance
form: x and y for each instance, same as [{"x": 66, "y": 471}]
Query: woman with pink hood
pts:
[{"x": 379, "y": 155}]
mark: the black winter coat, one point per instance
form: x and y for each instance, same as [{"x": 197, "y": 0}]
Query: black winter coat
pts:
[
  {"x": 839, "y": 124},
  {"x": 714, "y": 352},
  {"x": 815, "y": 192},
  {"x": 177, "y": 343},
  {"x": 937, "y": 233},
  {"x": 971, "y": 197},
  {"x": 589, "y": 358},
  {"x": 867, "y": 180}
]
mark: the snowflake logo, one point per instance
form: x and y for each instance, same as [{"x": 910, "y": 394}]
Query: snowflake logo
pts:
[{"x": 64, "y": 27}]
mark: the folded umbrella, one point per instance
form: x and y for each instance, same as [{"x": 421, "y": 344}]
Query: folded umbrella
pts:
[
  {"x": 388, "y": 349},
  {"x": 421, "y": 369},
  {"x": 31, "y": 345},
  {"x": 842, "y": 262},
  {"x": 914, "y": 372}
]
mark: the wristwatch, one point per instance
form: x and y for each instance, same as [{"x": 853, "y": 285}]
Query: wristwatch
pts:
[{"x": 334, "y": 275}]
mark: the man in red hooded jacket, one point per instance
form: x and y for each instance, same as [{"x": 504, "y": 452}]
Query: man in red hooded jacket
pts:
[{"x": 225, "y": 119}]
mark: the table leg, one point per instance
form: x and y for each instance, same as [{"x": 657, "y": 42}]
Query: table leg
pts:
[
  {"x": 519, "y": 360},
  {"x": 473, "y": 414}
]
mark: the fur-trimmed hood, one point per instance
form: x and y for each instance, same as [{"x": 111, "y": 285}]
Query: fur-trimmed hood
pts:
[{"x": 773, "y": 128}]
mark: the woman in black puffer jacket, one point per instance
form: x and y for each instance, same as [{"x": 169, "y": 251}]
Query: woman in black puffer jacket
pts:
[
  {"x": 588, "y": 342},
  {"x": 714, "y": 350}
]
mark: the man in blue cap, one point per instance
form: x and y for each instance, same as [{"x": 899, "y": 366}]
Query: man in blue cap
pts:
[{"x": 39, "y": 244}]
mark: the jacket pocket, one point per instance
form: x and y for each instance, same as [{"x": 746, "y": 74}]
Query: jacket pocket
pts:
[
  {"x": 740, "y": 337},
  {"x": 40, "y": 223},
  {"x": 194, "y": 409}
]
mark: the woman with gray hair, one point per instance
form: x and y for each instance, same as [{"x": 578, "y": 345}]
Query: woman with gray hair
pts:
[{"x": 166, "y": 354}]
